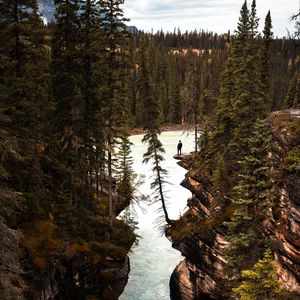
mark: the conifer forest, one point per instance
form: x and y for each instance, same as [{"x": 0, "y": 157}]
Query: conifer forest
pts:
[{"x": 74, "y": 90}]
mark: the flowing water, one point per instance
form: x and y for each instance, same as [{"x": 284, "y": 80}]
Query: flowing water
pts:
[{"x": 153, "y": 259}]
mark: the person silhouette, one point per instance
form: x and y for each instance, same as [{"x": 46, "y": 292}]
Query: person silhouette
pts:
[{"x": 179, "y": 147}]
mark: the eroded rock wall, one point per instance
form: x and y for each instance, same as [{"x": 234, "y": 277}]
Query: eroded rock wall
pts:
[
  {"x": 78, "y": 279},
  {"x": 201, "y": 274}
]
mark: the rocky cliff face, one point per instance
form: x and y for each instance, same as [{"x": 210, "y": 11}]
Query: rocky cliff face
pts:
[
  {"x": 283, "y": 225},
  {"x": 78, "y": 279},
  {"x": 63, "y": 267},
  {"x": 201, "y": 274}
]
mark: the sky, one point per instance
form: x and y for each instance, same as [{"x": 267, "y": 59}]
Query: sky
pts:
[{"x": 214, "y": 15}]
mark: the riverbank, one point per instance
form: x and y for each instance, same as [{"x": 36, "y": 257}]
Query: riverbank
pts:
[{"x": 164, "y": 128}]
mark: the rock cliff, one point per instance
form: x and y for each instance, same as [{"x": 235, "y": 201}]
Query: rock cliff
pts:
[
  {"x": 79, "y": 279},
  {"x": 200, "y": 275},
  {"x": 200, "y": 238},
  {"x": 62, "y": 265}
]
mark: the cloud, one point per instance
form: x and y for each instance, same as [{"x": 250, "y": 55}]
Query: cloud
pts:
[{"x": 215, "y": 15}]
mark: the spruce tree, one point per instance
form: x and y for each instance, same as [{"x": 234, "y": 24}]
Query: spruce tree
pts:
[
  {"x": 224, "y": 124},
  {"x": 251, "y": 198},
  {"x": 155, "y": 148},
  {"x": 91, "y": 131},
  {"x": 125, "y": 171},
  {"x": 265, "y": 59},
  {"x": 115, "y": 36},
  {"x": 249, "y": 96},
  {"x": 66, "y": 77},
  {"x": 155, "y": 153},
  {"x": 261, "y": 281},
  {"x": 190, "y": 94},
  {"x": 293, "y": 93},
  {"x": 254, "y": 20},
  {"x": 190, "y": 99},
  {"x": 24, "y": 87}
]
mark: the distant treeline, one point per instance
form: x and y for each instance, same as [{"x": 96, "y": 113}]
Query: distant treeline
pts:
[{"x": 191, "y": 62}]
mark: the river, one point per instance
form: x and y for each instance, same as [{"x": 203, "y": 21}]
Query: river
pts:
[{"x": 153, "y": 259}]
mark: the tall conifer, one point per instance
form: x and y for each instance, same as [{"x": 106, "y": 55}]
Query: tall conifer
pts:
[
  {"x": 155, "y": 148},
  {"x": 251, "y": 198},
  {"x": 115, "y": 36},
  {"x": 266, "y": 60},
  {"x": 66, "y": 73}
]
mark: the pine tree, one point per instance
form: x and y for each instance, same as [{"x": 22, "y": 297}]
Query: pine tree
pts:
[
  {"x": 249, "y": 96},
  {"x": 190, "y": 99},
  {"x": 66, "y": 75},
  {"x": 190, "y": 95},
  {"x": 251, "y": 199},
  {"x": 224, "y": 124},
  {"x": 132, "y": 82},
  {"x": 155, "y": 149},
  {"x": 254, "y": 20},
  {"x": 115, "y": 35},
  {"x": 174, "y": 114},
  {"x": 125, "y": 171},
  {"x": 242, "y": 98},
  {"x": 36, "y": 111},
  {"x": 24, "y": 84},
  {"x": 265, "y": 58},
  {"x": 243, "y": 26},
  {"x": 155, "y": 153},
  {"x": 293, "y": 92},
  {"x": 261, "y": 281},
  {"x": 92, "y": 119},
  {"x": 207, "y": 155}
]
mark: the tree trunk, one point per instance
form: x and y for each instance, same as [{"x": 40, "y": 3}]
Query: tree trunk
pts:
[
  {"x": 196, "y": 139},
  {"x": 160, "y": 189},
  {"x": 296, "y": 100},
  {"x": 110, "y": 186}
]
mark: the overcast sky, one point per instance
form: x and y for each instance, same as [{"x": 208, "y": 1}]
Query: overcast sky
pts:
[{"x": 214, "y": 15}]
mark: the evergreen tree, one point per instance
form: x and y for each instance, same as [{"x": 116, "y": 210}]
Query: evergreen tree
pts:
[
  {"x": 190, "y": 99},
  {"x": 243, "y": 26},
  {"x": 207, "y": 154},
  {"x": 265, "y": 58},
  {"x": 115, "y": 36},
  {"x": 132, "y": 83},
  {"x": 190, "y": 95},
  {"x": 224, "y": 125},
  {"x": 125, "y": 171},
  {"x": 155, "y": 153},
  {"x": 24, "y": 82},
  {"x": 293, "y": 94},
  {"x": 155, "y": 149},
  {"x": 249, "y": 96},
  {"x": 261, "y": 281},
  {"x": 174, "y": 114},
  {"x": 66, "y": 73},
  {"x": 241, "y": 101},
  {"x": 254, "y": 20},
  {"x": 92, "y": 119},
  {"x": 252, "y": 197}
]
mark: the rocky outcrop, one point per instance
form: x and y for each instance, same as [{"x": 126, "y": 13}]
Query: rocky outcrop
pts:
[
  {"x": 201, "y": 274},
  {"x": 285, "y": 218},
  {"x": 79, "y": 278}
]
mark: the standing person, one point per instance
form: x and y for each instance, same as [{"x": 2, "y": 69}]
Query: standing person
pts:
[{"x": 179, "y": 147}]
